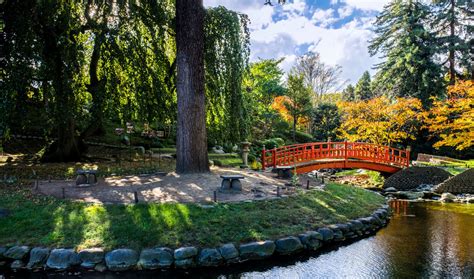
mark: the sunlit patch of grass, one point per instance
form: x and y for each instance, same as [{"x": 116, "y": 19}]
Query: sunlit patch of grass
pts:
[
  {"x": 57, "y": 223},
  {"x": 453, "y": 167}
]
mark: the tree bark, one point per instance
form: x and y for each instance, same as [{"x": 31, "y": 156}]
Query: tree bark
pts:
[
  {"x": 191, "y": 142},
  {"x": 67, "y": 146}
]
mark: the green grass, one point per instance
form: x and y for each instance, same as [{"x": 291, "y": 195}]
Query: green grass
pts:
[
  {"x": 228, "y": 160},
  {"x": 454, "y": 168},
  {"x": 46, "y": 221}
]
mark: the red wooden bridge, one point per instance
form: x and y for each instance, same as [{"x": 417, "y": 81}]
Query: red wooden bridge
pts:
[{"x": 307, "y": 157}]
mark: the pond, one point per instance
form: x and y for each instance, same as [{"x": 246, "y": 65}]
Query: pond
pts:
[{"x": 422, "y": 240}]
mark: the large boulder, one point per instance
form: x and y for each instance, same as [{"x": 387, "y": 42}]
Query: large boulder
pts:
[
  {"x": 327, "y": 234},
  {"x": 121, "y": 259},
  {"x": 311, "y": 240},
  {"x": 38, "y": 257},
  {"x": 62, "y": 259},
  {"x": 91, "y": 257},
  {"x": 185, "y": 253},
  {"x": 288, "y": 245},
  {"x": 412, "y": 177},
  {"x": 257, "y": 250},
  {"x": 229, "y": 252},
  {"x": 185, "y": 257},
  {"x": 156, "y": 258},
  {"x": 17, "y": 252},
  {"x": 210, "y": 257}
]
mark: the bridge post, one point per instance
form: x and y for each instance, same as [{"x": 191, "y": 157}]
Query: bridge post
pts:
[
  {"x": 345, "y": 154},
  {"x": 263, "y": 157},
  {"x": 274, "y": 156},
  {"x": 408, "y": 156}
]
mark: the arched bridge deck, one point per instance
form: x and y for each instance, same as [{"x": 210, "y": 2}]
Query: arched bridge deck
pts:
[{"x": 345, "y": 155}]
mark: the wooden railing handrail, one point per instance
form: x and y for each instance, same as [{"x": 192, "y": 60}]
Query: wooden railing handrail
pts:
[{"x": 305, "y": 152}]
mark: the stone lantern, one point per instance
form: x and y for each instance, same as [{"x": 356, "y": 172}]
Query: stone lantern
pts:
[{"x": 245, "y": 152}]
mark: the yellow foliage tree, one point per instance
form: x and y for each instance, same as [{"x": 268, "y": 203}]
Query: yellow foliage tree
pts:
[
  {"x": 380, "y": 120},
  {"x": 452, "y": 120}
]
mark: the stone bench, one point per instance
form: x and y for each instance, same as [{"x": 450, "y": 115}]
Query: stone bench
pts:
[
  {"x": 86, "y": 177},
  {"x": 231, "y": 182},
  {"x": 284, "y": 171}
]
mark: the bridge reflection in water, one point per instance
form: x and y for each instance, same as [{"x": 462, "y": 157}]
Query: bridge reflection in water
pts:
[{"x": 399, "y": 207}]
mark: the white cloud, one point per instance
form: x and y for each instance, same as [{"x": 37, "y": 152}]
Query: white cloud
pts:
[
  {"x": 324, "y": 18},
  {"x": 345, "y": 11},
  {"x": 297, "y": 29},
  {"x": 297, "y": 6},
  {"x": 375, "y": 5}
]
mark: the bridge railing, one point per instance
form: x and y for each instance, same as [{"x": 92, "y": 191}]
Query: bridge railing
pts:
[{"x": 306, "y": 152}]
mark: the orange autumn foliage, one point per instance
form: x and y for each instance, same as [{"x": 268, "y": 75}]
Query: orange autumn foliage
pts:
[
  {"x": 279, "y": 105},
  {"x": 452, "y": 120}
]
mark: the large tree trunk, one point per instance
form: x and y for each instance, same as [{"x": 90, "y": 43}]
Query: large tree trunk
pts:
[
  {"x": 67, "y": 146},
  {"x": 191, "y": 142}
]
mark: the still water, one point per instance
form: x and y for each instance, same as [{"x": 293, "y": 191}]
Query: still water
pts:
[{"x": 423, "y": 240}]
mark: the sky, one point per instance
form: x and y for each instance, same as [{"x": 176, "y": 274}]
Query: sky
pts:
[{"x": 338, "y": 29}]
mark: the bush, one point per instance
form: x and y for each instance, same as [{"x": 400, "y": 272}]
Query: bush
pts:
[
  {"x": 301, "y": 137},
  {"x": 256, "y": 165},
  {"x": 218, "y": 163},
  {"x": 228, "y": 148},
  {"x": 252, "y": 158}
]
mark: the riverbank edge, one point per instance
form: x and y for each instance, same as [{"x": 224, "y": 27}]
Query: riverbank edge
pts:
[{"x": 19, "y": 258}]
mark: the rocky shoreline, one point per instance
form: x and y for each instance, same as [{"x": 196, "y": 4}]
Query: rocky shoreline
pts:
[{"x": 37, "y": 259}]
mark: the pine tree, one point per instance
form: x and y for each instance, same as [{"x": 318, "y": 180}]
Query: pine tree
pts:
[
  {"x": 299, "y": 99},
  {"x": 363, "y": 89},
  {"x": 409, "y": 69},
  {"x": 451, "y": 23},
  {"x": 348, "y": 94}
]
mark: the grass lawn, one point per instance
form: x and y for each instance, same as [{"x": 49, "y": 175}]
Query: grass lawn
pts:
[
  {"x": 226, "y": 160},
  {"x": 454, "y": 168},
  {"x": 45, "y": 221}
]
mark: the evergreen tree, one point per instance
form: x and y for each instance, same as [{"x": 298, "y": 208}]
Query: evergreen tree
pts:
[
  {"x": 326, "y": 121},
  {"x": 406, "y": 45},
  {"x": 299, "y": 99},
  {"x": 451, "y": 23},
  {"x": 363, "y": 89},
  {"x": 348, "y": 93}
]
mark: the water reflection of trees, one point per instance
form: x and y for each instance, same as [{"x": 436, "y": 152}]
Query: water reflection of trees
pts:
[{"x": 421, "y": 242}]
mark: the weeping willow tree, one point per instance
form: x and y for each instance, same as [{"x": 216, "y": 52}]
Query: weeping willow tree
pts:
[
  {"x": 226, "y": 60},
  {"x": 72, "y": 64}
]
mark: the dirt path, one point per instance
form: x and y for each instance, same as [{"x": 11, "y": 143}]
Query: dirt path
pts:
[{"x": 169, "y": 188}]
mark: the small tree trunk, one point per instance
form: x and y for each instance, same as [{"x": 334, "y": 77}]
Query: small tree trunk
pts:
[{"x": 191, "y": 142}]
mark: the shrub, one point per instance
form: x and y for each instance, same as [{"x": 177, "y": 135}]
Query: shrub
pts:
[
  {"x": 252, "y": 158},
  {"x": 256, "y": 165},
  {"x": 228, "y": 147},
  {"x": 301, "y": 137}
]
